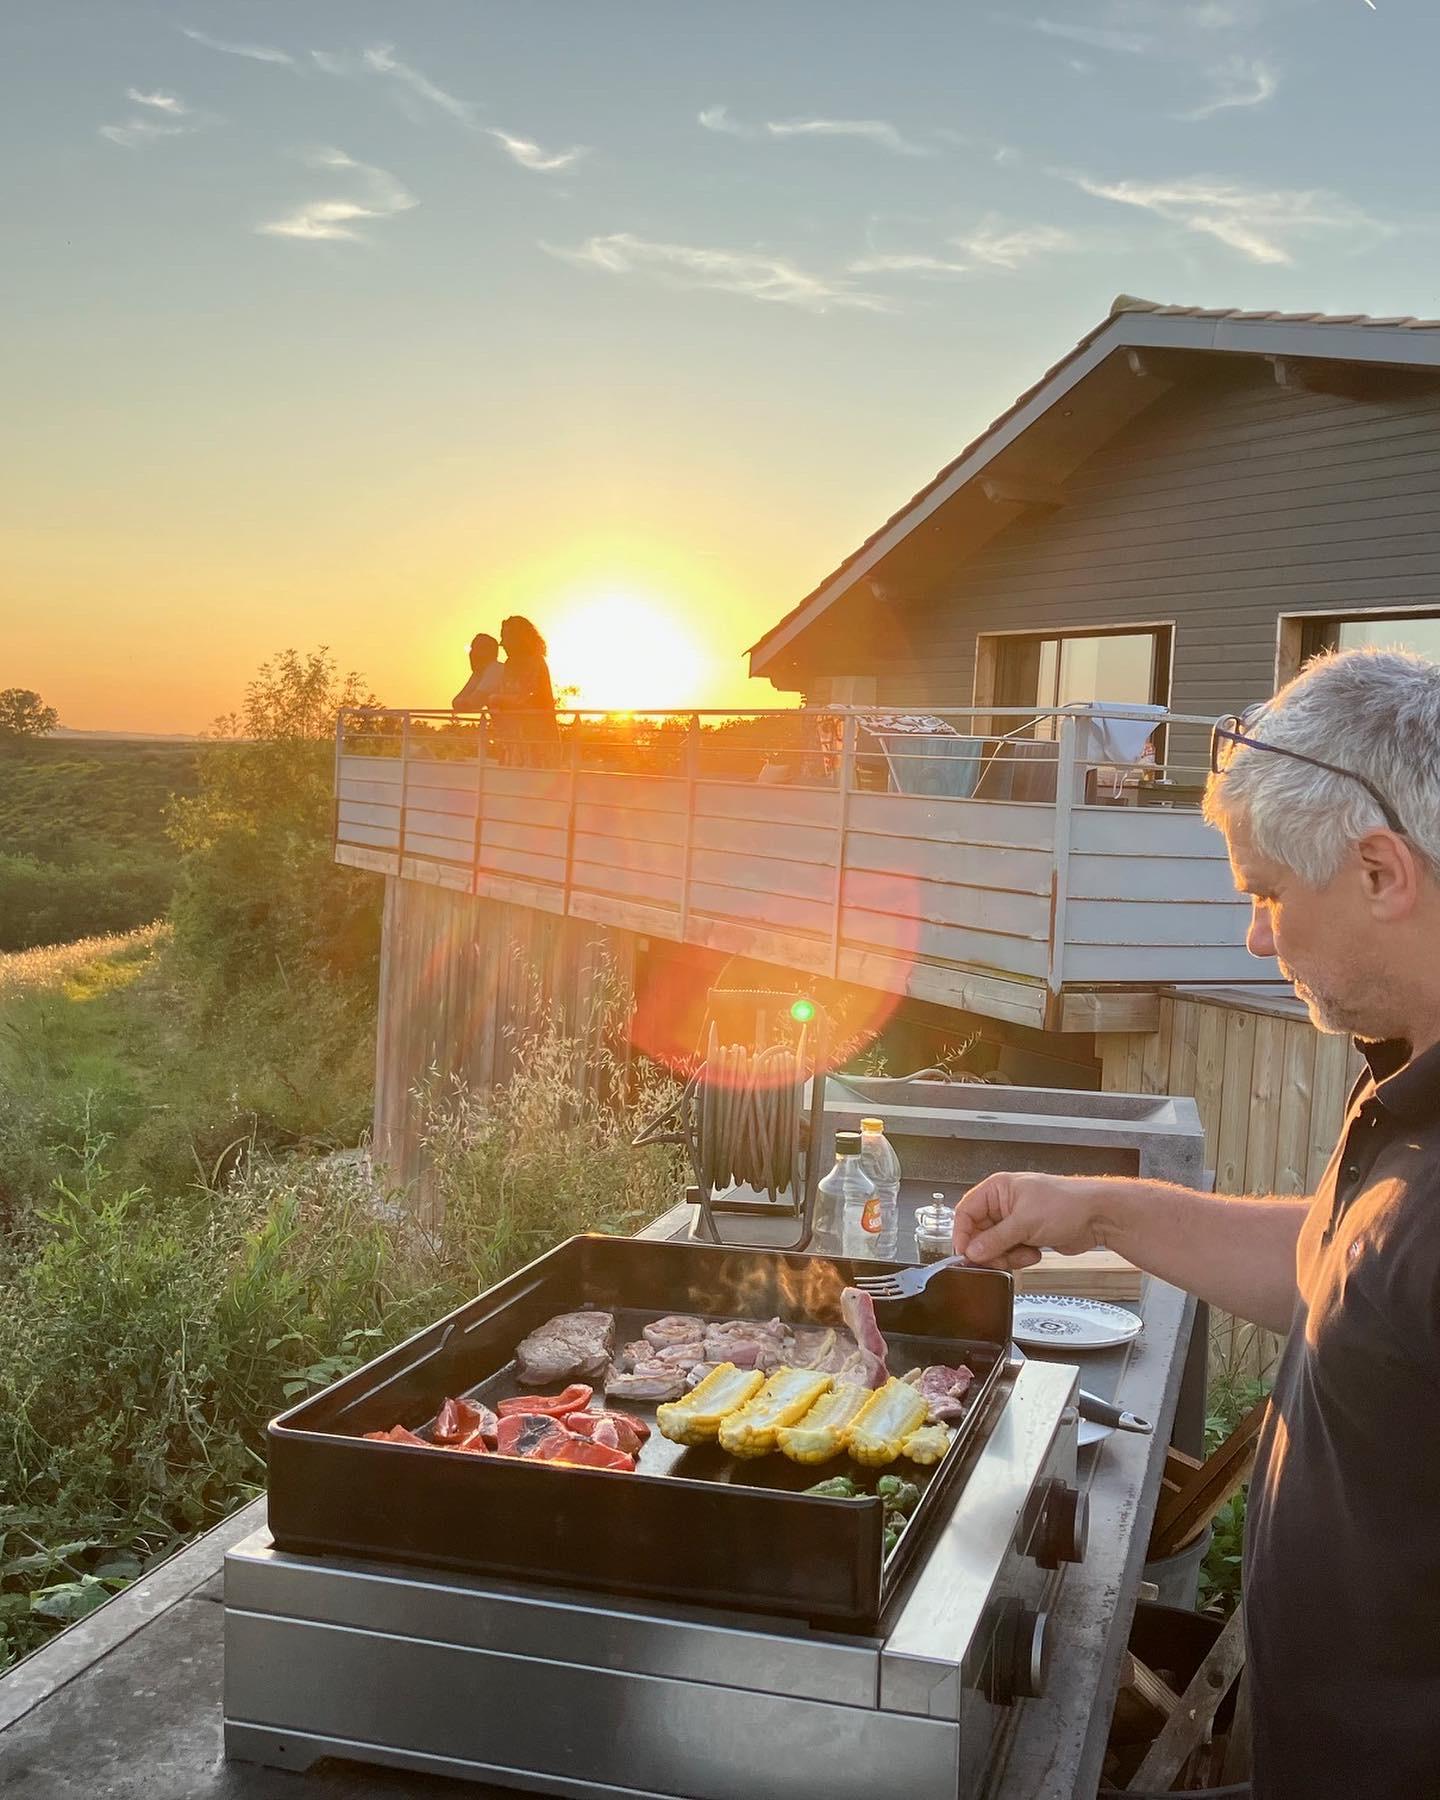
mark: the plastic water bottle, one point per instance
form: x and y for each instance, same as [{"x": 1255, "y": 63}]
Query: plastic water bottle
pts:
[
  {"x": 843, "y": 1195},
  {"x": 880, "y": 1219}
]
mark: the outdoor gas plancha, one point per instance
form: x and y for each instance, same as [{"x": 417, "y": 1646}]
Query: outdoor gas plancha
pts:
[{"x": 469, "y": 1613}]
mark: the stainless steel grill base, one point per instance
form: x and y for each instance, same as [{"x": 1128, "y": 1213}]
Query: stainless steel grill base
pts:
[{"x": 578, "y": 1695}]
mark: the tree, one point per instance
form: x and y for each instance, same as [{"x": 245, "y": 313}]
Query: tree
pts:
[
  {"x": 23, "y": 714},
  {"x": 259, "y": 888}
]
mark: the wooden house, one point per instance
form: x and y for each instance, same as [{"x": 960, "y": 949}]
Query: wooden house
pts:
[{"x": 1180, "y": 511}]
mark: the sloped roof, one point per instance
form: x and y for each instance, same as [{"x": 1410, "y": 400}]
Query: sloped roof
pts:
[{"x": 1131, "y": 324}]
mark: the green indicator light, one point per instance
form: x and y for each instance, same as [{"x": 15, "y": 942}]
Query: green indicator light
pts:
[{"x": 803, "y": 1011}]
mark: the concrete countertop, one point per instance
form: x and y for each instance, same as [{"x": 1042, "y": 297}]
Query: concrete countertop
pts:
[{"x": 127, "y": 1703}]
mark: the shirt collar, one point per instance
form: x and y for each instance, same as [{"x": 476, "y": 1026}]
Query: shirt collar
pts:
[{"x": 1408, "y": 1086}]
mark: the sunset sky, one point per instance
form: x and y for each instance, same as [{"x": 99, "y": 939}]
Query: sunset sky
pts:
[{"x": 328, "y": 321}]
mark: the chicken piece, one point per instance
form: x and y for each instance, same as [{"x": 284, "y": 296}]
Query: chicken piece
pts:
[
  {"x": 677, "y": 1328},
  {"x": 858, "y": 1310},
  {"x": 944, "y": 1390},
  {"x": 650, "y": 1381},
  {"x": 750, "y": 1343},
  {"x": 882, "y": 1425},
  {"x": 629, "y": 1354},
  {"x": 697, "y": 1418},
  {"x": 785, "y": 1398}
]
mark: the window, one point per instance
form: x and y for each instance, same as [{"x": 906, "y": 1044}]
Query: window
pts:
[
  {"x": 1303, "y": 635},
  {"x": 1124, "y": 666}
]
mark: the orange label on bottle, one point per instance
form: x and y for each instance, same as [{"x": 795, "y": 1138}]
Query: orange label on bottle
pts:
[{"x": 870, "y": 1217}]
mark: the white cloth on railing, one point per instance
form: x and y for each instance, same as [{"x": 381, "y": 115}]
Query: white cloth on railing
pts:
[
  {"x": 1106, "y": 739},
  {"x": 1104, "y": 742}
]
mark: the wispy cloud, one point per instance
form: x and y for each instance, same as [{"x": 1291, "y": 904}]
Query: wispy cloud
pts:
[
  {"x": 1260, "y": 223},
  {"x": 382, "y": 197},
  {"x": 749, "y": 274},
  {"x": 990, "y": 246},
  {"x": 382, "y": 59},
  {"x": 905, "y": 263},
  {"x": 166, "y": 103},
  {"x": 530, "y": 156},
  {"x": 879, "y": 132},
  {"x": 265, "y": 53},
  {"x": 137, "y": 130},
  {"x": 1000, "y": 248},
  {"x": 1241, "y": 81},
  {"x": 1094, "y": 37}
]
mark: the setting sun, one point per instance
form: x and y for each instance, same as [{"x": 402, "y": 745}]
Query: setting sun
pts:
[{"x": 625, "y": 653}]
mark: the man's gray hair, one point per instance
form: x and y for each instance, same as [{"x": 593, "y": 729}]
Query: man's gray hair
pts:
[{"x": 1376, "y": 712}]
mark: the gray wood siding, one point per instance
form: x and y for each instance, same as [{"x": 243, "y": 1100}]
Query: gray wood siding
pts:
[{"x": 1219, "y": 509}]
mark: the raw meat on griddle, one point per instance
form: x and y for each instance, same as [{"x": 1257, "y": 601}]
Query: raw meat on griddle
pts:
[
  {"x": 750, "y": 1343},
  {"x": 858, "y": 1310},
  {"x": 944, "y": 1390},
  {"x": 823, "y": 1349},
  {"x": 678, "y": 1328},
  {"x": 573, "y": 1347},
  {"x": 650, "y": 1381}
]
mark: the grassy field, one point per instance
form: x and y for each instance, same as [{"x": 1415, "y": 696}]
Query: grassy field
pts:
[{"x": 83, "y": 839}]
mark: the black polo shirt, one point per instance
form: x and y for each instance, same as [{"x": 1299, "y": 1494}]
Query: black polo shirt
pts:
[{"x": 1342, "y": 1565}]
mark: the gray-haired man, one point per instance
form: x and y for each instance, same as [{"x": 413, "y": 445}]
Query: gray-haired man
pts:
[{"x": 1329, "y": 798}]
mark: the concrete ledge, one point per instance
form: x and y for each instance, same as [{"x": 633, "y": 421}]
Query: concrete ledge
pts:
[{"x": 81, "y": 1645}]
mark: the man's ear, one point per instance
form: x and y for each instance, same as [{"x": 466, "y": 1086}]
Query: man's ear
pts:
[{"x": 1390, "y": 870}]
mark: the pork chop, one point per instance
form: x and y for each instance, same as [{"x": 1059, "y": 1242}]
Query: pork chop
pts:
[{"x": 573, "y": 1347}]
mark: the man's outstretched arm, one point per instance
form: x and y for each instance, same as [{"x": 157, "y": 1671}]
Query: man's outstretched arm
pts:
[{"x": 1238, "y": 1254}]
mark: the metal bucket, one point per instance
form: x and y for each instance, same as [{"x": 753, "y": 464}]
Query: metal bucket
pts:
[{"x": 1177, "y": 1577}]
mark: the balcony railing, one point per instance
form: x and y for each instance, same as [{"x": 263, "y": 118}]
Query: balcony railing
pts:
[{"x": 997, "y": 862}]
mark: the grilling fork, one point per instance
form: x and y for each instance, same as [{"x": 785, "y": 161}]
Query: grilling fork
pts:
[{"x": 904, "y": 1284}]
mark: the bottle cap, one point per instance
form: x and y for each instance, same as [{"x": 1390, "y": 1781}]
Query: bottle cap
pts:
[
  {"x": 847, "y": 1143},
  {"x": 872, "y": 1124}
]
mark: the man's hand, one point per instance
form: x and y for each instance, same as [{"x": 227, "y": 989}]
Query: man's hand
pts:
[{"x": 1008, "y": 1220}]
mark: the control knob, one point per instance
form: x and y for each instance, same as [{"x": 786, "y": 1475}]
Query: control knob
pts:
[
  {"x": 1019, "y": 1654},
  {"x": 1064, "y": 1529}
]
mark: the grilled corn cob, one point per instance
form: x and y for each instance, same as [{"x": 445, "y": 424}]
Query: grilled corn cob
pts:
[
  {"x": 927, "y": 1445},
  {"x": 788, "y": 1395},
  {"x": 820, "y": 1434},
  {"x": 696, "y": 1419},
  {"x": 891, "y": 1414}
]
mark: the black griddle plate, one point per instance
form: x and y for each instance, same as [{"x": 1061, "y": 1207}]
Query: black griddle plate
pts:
[{"x": 693, "y": 1526}]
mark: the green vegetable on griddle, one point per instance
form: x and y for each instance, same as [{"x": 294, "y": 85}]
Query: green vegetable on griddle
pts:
[
  {"x": 838, "y": 1487},
  {"x": 899, "y": 1495}
]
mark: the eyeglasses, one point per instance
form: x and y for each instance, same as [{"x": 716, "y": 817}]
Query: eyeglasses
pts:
[{"x": 1228, "y": 736}]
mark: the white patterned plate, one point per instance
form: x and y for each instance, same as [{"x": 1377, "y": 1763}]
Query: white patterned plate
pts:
[{"x": 1064, "y": 1322}]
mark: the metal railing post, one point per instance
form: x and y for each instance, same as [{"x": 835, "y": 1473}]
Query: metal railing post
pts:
[
  {"x": 335, "y": 798},
  {"x": 404, "y": 788},
  {"x": 692, "y": 777},
  {"x": 570, "y": 814},
  {"x": 1066, "y": 774},
  {"x": 482, "y": 756},
  {"x": 847, "y": 781}
]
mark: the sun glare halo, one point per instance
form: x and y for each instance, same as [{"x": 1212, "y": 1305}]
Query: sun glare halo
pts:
[{"x": 625, "y": 653}]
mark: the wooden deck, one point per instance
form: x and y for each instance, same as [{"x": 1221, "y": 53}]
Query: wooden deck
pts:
[{"x": 1051, "y": 914}]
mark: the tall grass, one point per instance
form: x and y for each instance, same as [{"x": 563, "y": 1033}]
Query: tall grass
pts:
[{"x": 145, "y": 1338}]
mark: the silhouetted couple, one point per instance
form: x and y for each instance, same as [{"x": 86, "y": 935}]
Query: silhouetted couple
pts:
[{"x": 516, "y": 693}]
